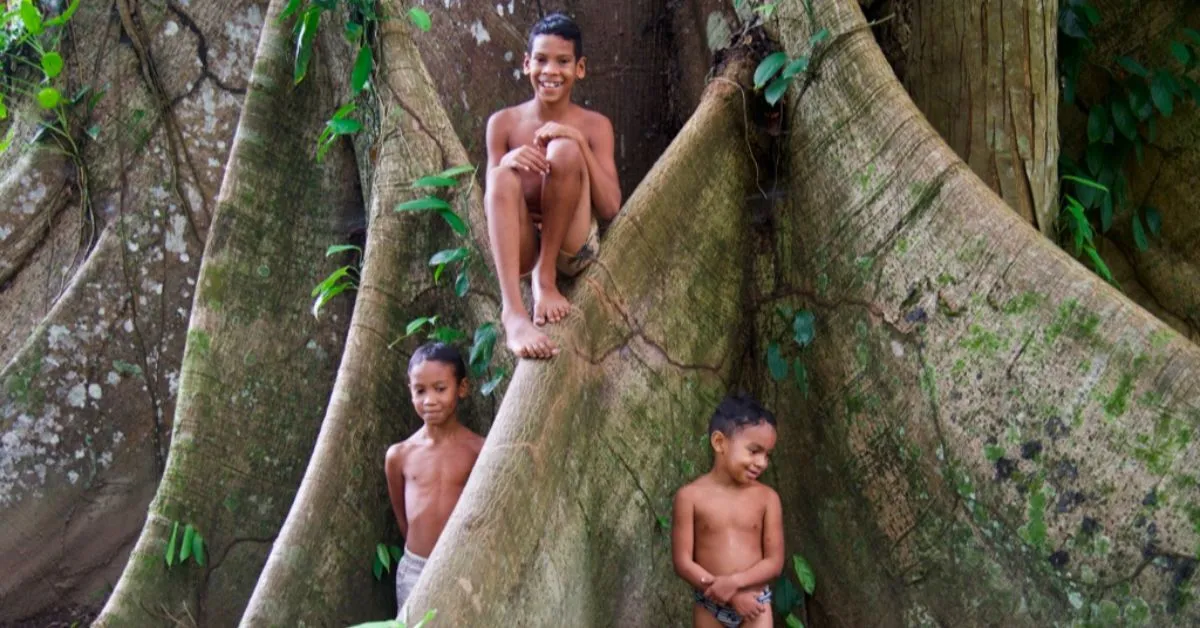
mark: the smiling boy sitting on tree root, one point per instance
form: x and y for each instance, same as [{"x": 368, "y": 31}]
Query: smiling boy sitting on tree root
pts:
[{"x": 551, "y": 174}]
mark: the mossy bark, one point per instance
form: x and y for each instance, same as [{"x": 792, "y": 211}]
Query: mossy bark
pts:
[
  {"x": 258, "y": 367},
  {"x": 319, "y": 572}
]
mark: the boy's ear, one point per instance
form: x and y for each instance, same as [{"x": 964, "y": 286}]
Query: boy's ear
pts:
[
  {"x": 718, "y": 441},
  {"x": 464, "y": 388},
  {"x": 581, "y": 68},
  {"x": 525, "y": 64}
]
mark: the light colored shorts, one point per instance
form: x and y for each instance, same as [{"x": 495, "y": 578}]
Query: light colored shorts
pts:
[{"x": 407, "y": 571}]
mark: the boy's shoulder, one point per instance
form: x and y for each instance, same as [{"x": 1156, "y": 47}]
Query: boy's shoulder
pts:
[{"x": 692, "y": 489}]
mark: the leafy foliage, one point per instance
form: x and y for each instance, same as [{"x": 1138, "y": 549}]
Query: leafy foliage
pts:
[
  {"x": 190, "y": 545},
  {"x": 779, "y": 364},
  {"x": 788, "y": 597}
]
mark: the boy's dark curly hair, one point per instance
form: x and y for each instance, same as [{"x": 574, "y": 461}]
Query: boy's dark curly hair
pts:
[
  {"x": 736, "y": 412},
  {"x": 560, "y": 25},
  {"x": 439, "y": 352}
]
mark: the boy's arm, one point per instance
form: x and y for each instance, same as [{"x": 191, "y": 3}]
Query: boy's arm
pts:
[
  {"x": 596, "y": 145},
  {"x": 528, "y": 158},
  {"x": 683, "y": 543},
  {"x": 766, "y": 570},
  {"x": 393, "y": 468}
]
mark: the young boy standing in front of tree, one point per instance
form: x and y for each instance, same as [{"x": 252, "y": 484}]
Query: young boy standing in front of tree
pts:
[
  {"x": 551, "y": 174},
  {"x": 727, "y": 529},
  {"x": 427, "y": 472}
]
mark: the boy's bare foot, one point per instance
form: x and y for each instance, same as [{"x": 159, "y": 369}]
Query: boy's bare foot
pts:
[
  {"x": 525, "y": 341},
  {"x": 549, "y": 305}
]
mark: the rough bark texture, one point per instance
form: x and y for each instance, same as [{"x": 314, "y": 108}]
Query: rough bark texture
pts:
[
  {"x": 317, "y": 573},
  {"x": 93, "y": 332},
  {"x": 562, "y": 522},
  {"x": 983, "y": 72},
  {"x": 258, "y": 367},
  {"x": 971, "y": 385}
]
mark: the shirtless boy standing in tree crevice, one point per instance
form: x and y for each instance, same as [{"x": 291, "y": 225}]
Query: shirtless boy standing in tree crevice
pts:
[{"x": 551, "y": 174}]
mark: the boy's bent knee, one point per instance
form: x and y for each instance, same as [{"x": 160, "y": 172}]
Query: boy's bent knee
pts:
[
  {"x": 503, "y": 180},
  {"x": 564, "y": 155}
]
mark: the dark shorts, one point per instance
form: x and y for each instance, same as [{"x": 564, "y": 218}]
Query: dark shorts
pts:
[{"x": 725, "y": 614}]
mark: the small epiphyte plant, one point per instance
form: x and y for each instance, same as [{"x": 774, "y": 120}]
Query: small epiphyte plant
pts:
[
  {"x": 191, "y": 545},
  {"x": 343, "y": 279},
  {"x": 788, "y": 597},
  {"x": 383, "y": 558},
  {"x": 29, "y": 44},
  {"x": 1075, "y": 226},
  {"x": 776, "y": 71},
  {"x": 779, "y": 364}
]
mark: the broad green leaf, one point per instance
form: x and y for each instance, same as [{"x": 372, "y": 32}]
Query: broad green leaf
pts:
[
  {"x": 48, "y": 98},
  {"x": 420, "y": 18},
  {"x": 418, "y": 323},
  {"x": 777, "y": 89},
  {"x": 344, "y": 126},
  {"x": 793, "y": 621},
  {"x": 435, "y": 181},
  {"x": 462, "y": 284},
  {"x": 1072, "y": 24},
  {"x": 65, "y": 16},
  {"x": 796, "y": 66},
  {"x": 396, "y": 552},
  {"x": 341, "y": 248},
  {"x": 185, "y": 549},
  {"x": 448, "y": 335},
  {"x": 1133, "y": 67},
  {"x": 786, "y": 597},
  {"x": 1123, "y": 119},
  {"x": 1161, "y": 94},
  {"x": 818, "y": 37},
  {"x": 376, "y": 569},
  {"x": 768, "y": 67},
  {"x": 482, "y": 348},
  {"x": 353, "y": 32},
  {"x": 304, "y": 42},
  {"x": 490, "y": 386},
  {"x": 362, "y": 69},
  {"x": 423, "y": 204},
  {"x": 344, "y": 110},
  {"x": 1139, "y": 233},
  {"x": 328, "y": 282},
  {"x": 1098, "y": 123},
  {"x": 775, "y": 362},
  {"x": 456, "y": 171},
  {"x": 1106, "y": 213},
  {"x": 456, "y": 223},
  {"x": 1153, "y": 221},
  {"x": 1182, "y": 53},
  {"x": 437, "y": 273},
  {"x": 171, "y": 545},
  {"x": 1094, "y": 158},
  {"x": 804, "y": 573},
  {"x": 93, "y": 132},
  {"x": 290, "y": 9},
  {"x": 1085, "y": 182},
  {"x": 803, "y": 330},
  {"x": 328, "y": 295},
  {"x": 52, "y": 64},
  {"x": 449, "y": 255},
  {"x": 1139, "y": 99},
  {"x": 198, "y": 549},
  {"x": 31, "y": 17},
  {"x": 381, "y": 551}
]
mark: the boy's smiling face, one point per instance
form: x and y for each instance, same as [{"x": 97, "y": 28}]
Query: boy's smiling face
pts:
[
  {"x": 436, "y": 391},
  {"x": 745, "y": 454},
  {"x": 552, "y": 67}
]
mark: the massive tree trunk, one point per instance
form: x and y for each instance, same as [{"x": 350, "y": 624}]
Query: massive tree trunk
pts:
[{"x": 988, "y": 429}]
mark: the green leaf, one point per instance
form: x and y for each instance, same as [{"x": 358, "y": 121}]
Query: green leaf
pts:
[
  {"x": 462, "y": 283},
  {"x": 328, "y": 282},
  {"x": 185, "y": 549},
  {"x": 3, "y": 109},
  {"x": 1106, "y": 213},
  {"x": 93, "y": 132},
  {"x": 328, "y": 295},
  {"x": 420, "y": 18},
  {"x": 341, "y": 248},
  {"x": 454, "y": 221},
  {"x": 1094, "y": 158},
  {"x": 1139, "y": 233},
  {"x": 796, "y": 66},
  {"x": 344, "y": 126},
  {"x": 171, "y": 545},
  {"x": 418, "y": 323},
  {"x": 381, "y": 552},
  {"x": 52, "y": 64},
  {"x": 353, "y": 32},
  {"x": 482, "y": 348},
  {"x": 362, "y": 69},
  {"x": 804, "y": 573},
  {"x": 777, "y": 89},
  {"x": 290, "y": 9},
  {"x": 775, "y": 362},
  {"x": 1139, "y": 99},
  {"x": 1161, "y": 94},
  {"x": 818, "y": 37},
  {"x": 1153, "y": 221},
  {"x": 396, "y": 552},
  {"x": 65, "y": 16},
  {"x": 793, "y": 621},
  {"x": 456, "y": 171},
  {"x": 48, "y": 98},
  {"x": 1098, "y": 263},
  {"x": 1085, "y": 182},
  {"x": 304, "y": 42},
  {"x": 448, "y": 335},
  {"x": 376, "y": 569},
  {"x": 423, "y": 204},
  {"x": 435, "y": 181},
  {"x": 768, "y": 67},
  {"x": 490, "y": 386},
  {"x": 1133, "y": 67},
  {"x": 1182, "y": 53},
  {"x": 1097, "y": 123},
  {"x": 31, "y": 17},
  {"x": 803, "y": 330},
  {"x": 1123, "y": 119},
  {"x": 198, "y": 549},
  {"x": 437, "y": 273},
  {"x": 786, "y": 597},
  {"x": 449, "y": 255},
  {"x": 801, "y": 374}
]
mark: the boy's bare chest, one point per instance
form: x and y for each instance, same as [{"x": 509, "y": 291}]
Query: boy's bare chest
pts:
[
  {"x": 525, "y": 131},
  {"x": 432, "y": 467},
  {"x": 730, "y": 515}
]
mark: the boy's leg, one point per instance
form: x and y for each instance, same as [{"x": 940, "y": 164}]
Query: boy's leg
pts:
[
  {"x": 510, "y": 232},
  {"x": 764, "y": 620},
  {"x": 566, "y": 220},
  {"x": 701, "y": 618}
]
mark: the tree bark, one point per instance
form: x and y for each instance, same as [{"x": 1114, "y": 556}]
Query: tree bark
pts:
[
  {"x": 258, "y": 367},
  {"x": 983, "y": 72}
]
